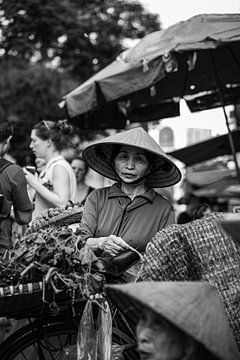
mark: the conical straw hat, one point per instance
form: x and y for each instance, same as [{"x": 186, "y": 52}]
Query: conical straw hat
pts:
[
  {"x": 99, "y": 157},
  {"x": 193, "y": 307}
]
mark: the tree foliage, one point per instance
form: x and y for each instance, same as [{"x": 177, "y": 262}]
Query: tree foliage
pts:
[
  {"x": 77, "y": 36},
  {"x": 47, "y": 47}
]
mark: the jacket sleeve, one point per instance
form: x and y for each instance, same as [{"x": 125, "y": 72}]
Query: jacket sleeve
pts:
[
  {"x": 169, "y": 218},
  {"x": 89, "y": 218},
  {"x": 20, "y": 196}
]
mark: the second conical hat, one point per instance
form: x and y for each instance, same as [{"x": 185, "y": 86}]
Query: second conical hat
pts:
[{"x": 194, "y": 307}]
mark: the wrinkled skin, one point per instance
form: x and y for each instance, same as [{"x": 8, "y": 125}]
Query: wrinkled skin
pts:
[
  {"x": 131, "y": 164},
  {"x": 159, "y": 340}
]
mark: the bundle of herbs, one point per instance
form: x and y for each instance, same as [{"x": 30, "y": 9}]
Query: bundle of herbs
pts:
[{"x": 51, "y": 255}]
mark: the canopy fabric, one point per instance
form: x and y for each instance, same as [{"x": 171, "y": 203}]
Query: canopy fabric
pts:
[
  {"x": 207, "y": 177},
  {"x": 195, "y": 59},
  {"x": 208, "y": 149},
  {"x": 219, "y": 188},
  {"x": 199, "y": 32}
]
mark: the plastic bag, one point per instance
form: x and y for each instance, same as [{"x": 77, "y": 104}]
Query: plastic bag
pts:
[
  {"x": 105, "y": 332},
  {"x": 117, "y": 352},
  {"x": 70, "y": 352},
  {"x": 94, "y": 340}
]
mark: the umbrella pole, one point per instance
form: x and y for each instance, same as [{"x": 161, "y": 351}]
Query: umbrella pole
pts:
[
  {"x": 231, "y": 142},
  {"x": 226, "y": 117}
]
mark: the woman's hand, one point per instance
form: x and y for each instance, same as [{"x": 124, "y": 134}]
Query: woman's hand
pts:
[
  {"x": 112, "y": 245},
  {"x": 59, "y": 195},
  {"x": 32, "y": 179}
]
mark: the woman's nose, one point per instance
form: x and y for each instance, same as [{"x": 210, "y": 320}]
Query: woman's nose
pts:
[
  {"x": 145, "y": 341},
  {"x": 130, "y": 163},
  {"x": 144, "y": 334}
]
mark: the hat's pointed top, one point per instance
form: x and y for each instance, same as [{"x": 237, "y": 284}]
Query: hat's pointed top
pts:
[
  {"x": 194, "y": 307},
  {"x": 136, "y": 137}
]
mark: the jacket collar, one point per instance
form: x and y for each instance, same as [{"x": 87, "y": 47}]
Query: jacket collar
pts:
[{"x": 116, "y": 191}]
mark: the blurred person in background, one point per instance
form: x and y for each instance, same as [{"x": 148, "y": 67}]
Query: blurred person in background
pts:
[
  {"x": 13, "y": 189},
  {"x": 15, "y": 205},
  {"x": 80, "y": 169},
  {"x": 68, "y": 153},
  {"x": 56, "y": 184},
  {"x": 72, "y": 148},
  {"x": 192, "y": 205}
]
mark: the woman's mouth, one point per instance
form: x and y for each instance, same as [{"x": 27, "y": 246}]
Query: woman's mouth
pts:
[
  {"x": 145, "y": 355},
  {"x": 129, "y": 176}
]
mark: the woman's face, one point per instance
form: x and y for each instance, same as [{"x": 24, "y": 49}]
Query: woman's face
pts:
[
  {"x": 38, "y": 146},
  {"x": 159, "y": 340},
  {"x": 79, "y": 169},
  {"x": 131, "y": 164}
]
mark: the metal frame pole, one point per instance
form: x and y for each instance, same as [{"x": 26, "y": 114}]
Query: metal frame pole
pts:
[{"x": 225, "y": 115}]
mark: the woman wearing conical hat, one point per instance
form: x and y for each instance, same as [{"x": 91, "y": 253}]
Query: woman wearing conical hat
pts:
[
  {"x": 129, "y": 212},
  {"x": 176, "y": 320}
]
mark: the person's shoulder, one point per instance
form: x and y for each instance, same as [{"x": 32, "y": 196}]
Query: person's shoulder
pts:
[
  {"x": 13, "y": 169},
  {"x": 61, "y": 162},
  {"x": 163, "y": 199},
  {"x": 100, "y": 191},
  {"x": 98, "y": 196}
]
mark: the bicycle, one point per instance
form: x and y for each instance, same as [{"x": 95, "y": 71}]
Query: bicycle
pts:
[{"x": 54, "y": 326}]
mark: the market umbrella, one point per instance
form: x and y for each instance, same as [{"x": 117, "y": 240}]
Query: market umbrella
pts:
[
  {"x": 202, "y": 178},
  {"x": 208, "y": 149},
  {"x": 219, "y": 188},
  {"x": 100, "y": 102},
  {"x": 197, "y": 60}
]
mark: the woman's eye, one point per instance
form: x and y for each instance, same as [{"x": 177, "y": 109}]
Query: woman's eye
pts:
[
  {"x": 122, "y": 157},
  {"x": 140, "y": 159},
  {"x": 142, "y": 319}
]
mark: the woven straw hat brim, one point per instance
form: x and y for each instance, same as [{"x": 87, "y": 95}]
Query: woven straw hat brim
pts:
[
  {"x": 99, "y": 157},
  {"x": 193, "y": 307}
]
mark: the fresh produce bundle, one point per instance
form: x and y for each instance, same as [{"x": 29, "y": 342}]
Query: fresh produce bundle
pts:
[{"x": 51, "y": 255}]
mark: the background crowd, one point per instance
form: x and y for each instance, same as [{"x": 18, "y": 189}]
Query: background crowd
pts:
[{"x": 56, "y": 172}]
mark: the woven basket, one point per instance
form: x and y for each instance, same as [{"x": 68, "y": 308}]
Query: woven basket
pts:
[
  {"x": 21, "y": 289},
  {"x": 17, "y": 301},
  {"x": 198, "y": 251},
  {"x": 64, "y": 219},
  {"x": 67, "y": 218}
]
